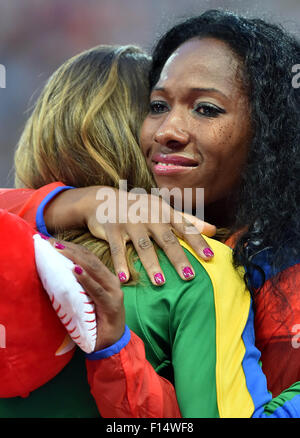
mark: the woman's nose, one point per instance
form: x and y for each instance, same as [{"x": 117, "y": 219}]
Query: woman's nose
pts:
[{"x": 172, "y": 131}]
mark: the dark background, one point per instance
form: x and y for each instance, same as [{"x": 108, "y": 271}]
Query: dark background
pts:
[{"x": 36, "y": 36}]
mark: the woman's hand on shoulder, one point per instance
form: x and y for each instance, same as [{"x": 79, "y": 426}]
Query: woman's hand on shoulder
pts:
[
  {"x": 119, "y": 217},
  {"x": 103, "y": 287}
]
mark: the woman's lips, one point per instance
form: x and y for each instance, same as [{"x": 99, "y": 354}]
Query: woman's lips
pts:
[{"x": 169, "y": 164}]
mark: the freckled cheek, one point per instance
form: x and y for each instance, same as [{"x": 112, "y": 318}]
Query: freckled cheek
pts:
[
  {"x": 226, "y": 143},
  {"x": 213, "y": 147},
  {"x": 223, "y": 135},
  {"x": 222, "y": 158}
]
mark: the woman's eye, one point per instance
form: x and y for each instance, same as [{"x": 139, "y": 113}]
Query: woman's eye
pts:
[
  {"x": 157, "y": 107},
  {"x": 208, "y": 110}
]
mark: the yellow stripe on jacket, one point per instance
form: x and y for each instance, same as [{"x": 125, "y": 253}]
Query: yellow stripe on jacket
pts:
[{"x": 232, "y": 305}]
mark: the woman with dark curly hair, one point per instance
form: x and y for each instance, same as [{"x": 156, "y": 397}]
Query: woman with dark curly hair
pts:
[
  {"x": 265, "y": 202},
  {"x": 223, "y": 116}
]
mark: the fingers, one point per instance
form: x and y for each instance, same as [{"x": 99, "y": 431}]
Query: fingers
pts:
[
  {"x": 110, "y": 311},
  {"x": 102, "y": 287},
  {"x": 116, "y": 236},
  {"x": 168, "y": 242},
  {"x": 160, "y": 229},
  {"x": 209, "y": 230},
  {"x": 203, "y": 227},
  {"x": 189, "y": 232},
  {"x": 101, "y": 295},
  {"x": 89, "y": 262},
  {"x": 117, "y": 246},
  {"x": 146, "y": 252}
]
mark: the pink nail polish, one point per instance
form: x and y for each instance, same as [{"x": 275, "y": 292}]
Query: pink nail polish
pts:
[
  {"x": 158, "y": 278},
  {"x": 208, "y": 252},
  {"x": 59, "y": 246},
  {"x": 122, "y": 277},
  {"x": 44, "y": 237},
  {"x": 78, "y": 269},
  {"x": 187, "y": 272}
]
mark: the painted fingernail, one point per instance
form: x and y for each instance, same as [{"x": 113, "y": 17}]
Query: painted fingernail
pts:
[
  {"x": 187, "y": 272},
  {"x": 44, "y": 237},
  {"x": 122, "y": 277},
  {"x": 78, "y": 269},
  {"x": 158, "y": 278},
  {"x": 208, "y": 252},
  {"x": 59, "y": 246}
]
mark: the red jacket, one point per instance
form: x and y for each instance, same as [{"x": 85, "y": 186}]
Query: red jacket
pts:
[{"x": 140, "y": 391}]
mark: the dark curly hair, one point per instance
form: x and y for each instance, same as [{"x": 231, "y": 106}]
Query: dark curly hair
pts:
[{"x": 268, "y": 198}]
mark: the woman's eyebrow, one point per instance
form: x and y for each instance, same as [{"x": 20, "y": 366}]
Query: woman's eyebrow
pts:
[
  {"x": 158, "y": 89},
  {"x": 196, "y": 89},
  {"x": 209, "y": 90}
]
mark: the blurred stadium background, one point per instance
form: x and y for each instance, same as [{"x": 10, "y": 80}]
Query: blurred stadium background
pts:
[{"x": 36, "y": 36}]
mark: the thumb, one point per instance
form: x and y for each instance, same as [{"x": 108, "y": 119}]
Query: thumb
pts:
[{"x": 203, "y": 227}]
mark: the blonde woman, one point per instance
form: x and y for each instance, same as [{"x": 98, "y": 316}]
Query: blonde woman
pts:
[{"x": 84, "y": 131}]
